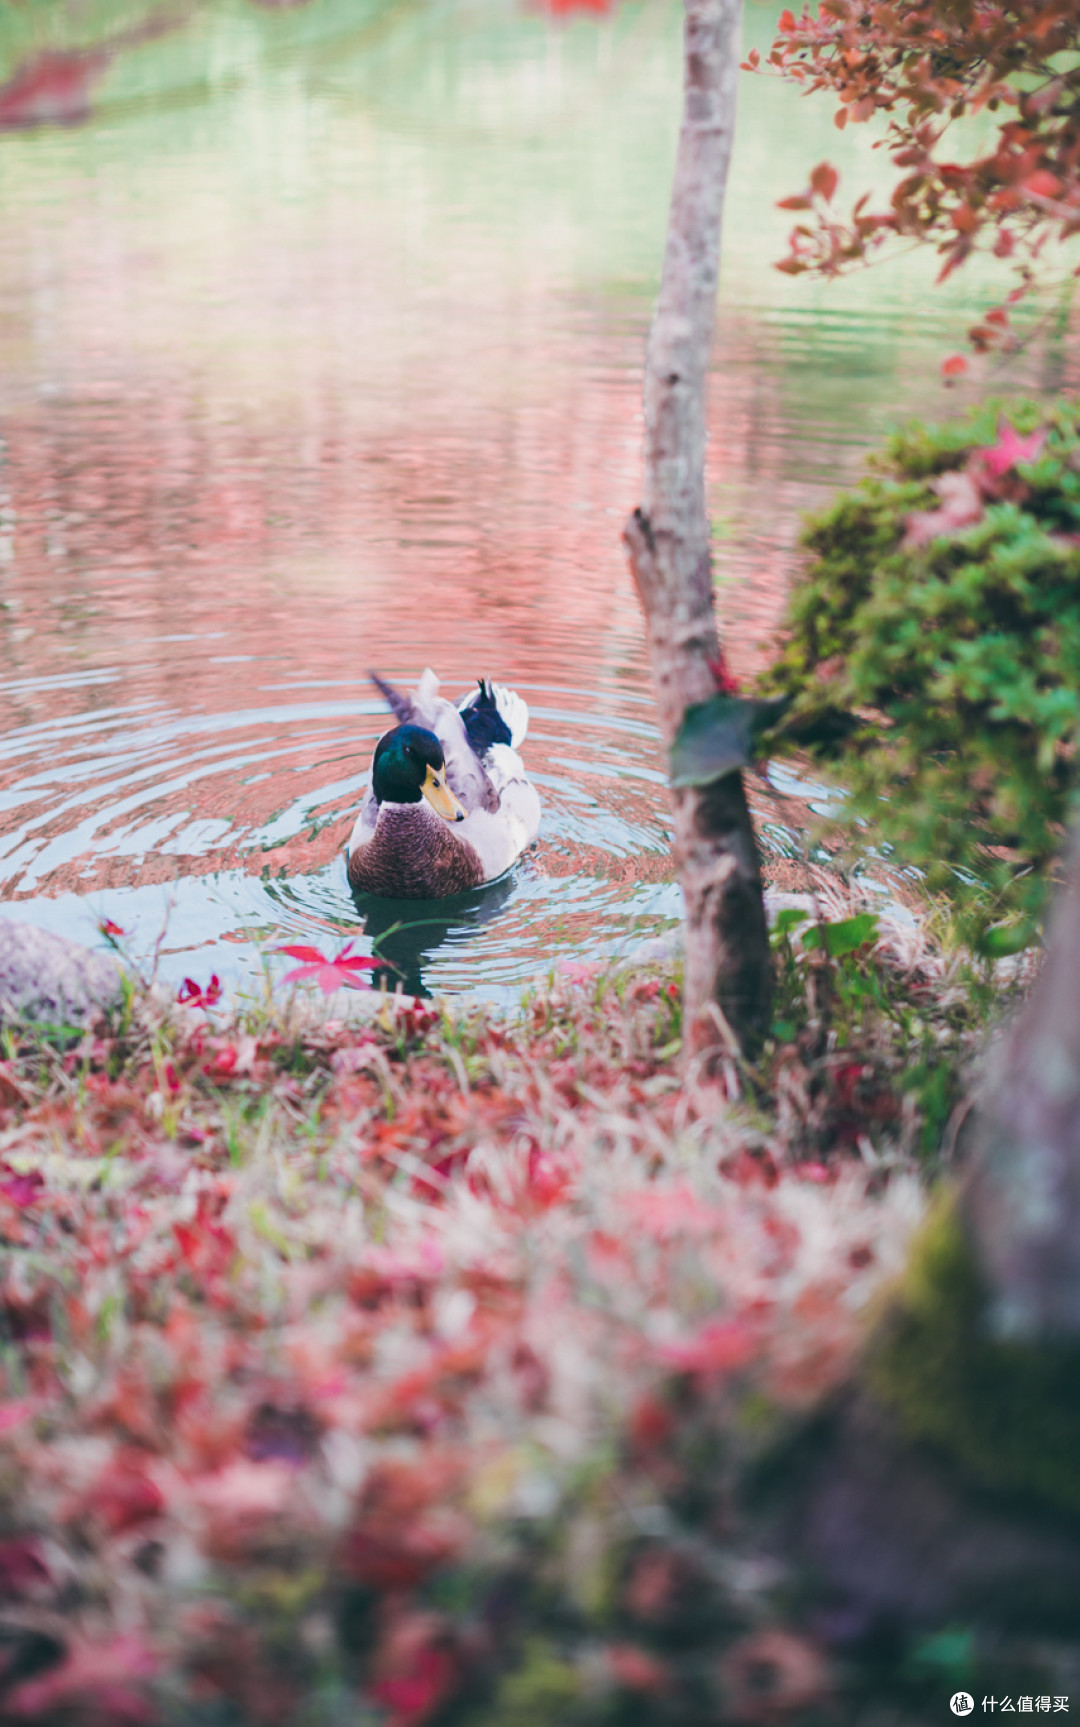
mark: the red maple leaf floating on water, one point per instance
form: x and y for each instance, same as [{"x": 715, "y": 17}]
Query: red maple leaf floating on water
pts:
[
  {"x": 329, "y": 974},
  {"x": 193, "y": 995}
]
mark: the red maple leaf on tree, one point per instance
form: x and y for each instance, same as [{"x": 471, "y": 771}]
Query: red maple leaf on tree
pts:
[
  {"x": 330, "y": 974},
  {"x": 1008, "y": 190}
]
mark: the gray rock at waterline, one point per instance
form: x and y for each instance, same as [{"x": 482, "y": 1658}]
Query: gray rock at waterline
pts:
[
  {"x": 51, "y": 981},
  {"x": 660, "y": 949}
]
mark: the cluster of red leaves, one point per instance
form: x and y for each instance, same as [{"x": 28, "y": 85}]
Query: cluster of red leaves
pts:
[
  {"x": 314, "y": 1338},
  {"x": 923, "y": 67}
]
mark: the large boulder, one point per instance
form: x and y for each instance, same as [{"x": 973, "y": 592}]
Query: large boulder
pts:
[{"x": 50, "y": 981}]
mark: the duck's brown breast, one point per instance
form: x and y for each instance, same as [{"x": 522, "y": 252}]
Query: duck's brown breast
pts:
[{"x": 414, "y": 854}]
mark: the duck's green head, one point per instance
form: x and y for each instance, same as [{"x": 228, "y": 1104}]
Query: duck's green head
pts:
[{"x": 409, "y": 765}]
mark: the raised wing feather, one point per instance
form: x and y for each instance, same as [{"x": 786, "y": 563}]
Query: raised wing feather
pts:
[
  {"x": 512, "y": 709},
  {"x": 401, "y": 705},
  {"x": 499, "y": 838}
]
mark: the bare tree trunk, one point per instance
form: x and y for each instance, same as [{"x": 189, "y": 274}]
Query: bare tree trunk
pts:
[
  {"x": 727, "y": 950},
  {"x": 1022, "y": 1201},
  {"x": 948, "y": 1492}
]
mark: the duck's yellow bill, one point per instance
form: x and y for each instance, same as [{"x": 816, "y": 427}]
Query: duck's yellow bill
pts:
[{"x": 440, "y": 797}]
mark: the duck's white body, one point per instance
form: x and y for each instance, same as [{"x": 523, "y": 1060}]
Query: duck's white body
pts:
[{"x": 410, "y": 850}]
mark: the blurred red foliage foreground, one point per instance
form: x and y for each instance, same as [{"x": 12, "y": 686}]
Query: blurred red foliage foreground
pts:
[{"x": 406, "y": 1372}]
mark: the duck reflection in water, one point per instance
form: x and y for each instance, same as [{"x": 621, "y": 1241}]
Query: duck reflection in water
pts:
[{"x": 408, "y": 933}]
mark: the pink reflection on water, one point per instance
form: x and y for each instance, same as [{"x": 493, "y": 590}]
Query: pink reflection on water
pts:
[{"x": 207, "y": 568}]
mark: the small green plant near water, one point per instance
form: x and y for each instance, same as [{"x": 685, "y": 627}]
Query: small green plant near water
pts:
[
  {"x": 932, "y": 656},
  {"x": 855, "y": 985},
  {"x": 881, "y": 1046}
]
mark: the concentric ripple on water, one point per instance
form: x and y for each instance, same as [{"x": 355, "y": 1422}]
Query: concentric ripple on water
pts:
[{"x": 320, "y": 350}]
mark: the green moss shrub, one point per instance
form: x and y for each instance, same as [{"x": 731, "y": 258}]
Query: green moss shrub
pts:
[
  {"x": 1007, "y": 1412},
  {"x": 941, "y": 606}
]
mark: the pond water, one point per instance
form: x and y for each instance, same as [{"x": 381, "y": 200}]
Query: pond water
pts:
[{"x": 321, "y": 338}]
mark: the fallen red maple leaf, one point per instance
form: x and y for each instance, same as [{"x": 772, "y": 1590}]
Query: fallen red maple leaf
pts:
[
  {"x": 124, "y": 1496},
  {"x": 21, "y": 1190},
  {"x": 720, "y": 1347},
  {"x": 23, "y": 1571},
  {"x": 635, "y": 1669},
  {"x": 14, "y": 1414},
  {"x": 329, "y": 974},
  {"x": 193, "y": 995},
  {"x": 105, "y": 1680},
  {"x": 413, "y": 1696},
  {"x": 547, "y": 1179},
  {"x": 814, "y": 1172}
]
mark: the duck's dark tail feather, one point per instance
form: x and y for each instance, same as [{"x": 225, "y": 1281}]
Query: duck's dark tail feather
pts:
[
  {"x": 401, "y": 706},
  {"x": 484, "y": 724}
]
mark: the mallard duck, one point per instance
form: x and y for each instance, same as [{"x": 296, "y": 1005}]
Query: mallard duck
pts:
[{"x": 449, "y": 805}]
